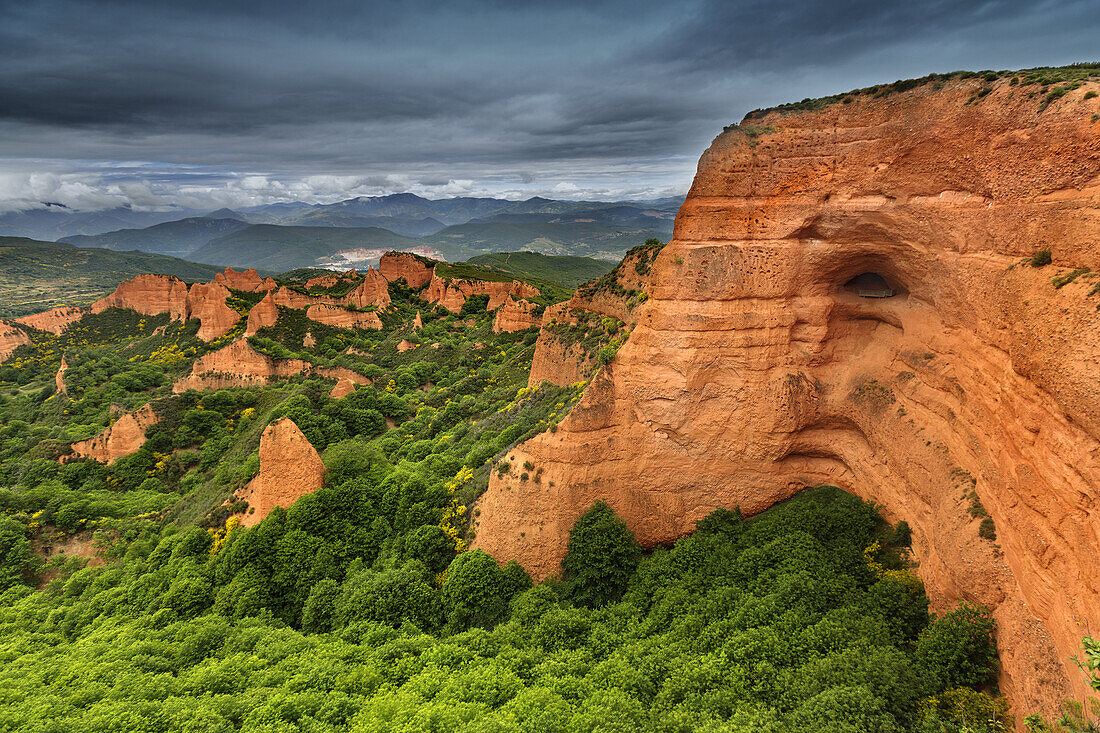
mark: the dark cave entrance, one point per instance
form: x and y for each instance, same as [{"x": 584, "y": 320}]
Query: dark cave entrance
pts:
[{"x": 870, "y": 285}]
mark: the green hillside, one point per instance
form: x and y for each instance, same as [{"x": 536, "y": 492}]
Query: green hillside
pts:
[
  {"x": 564, "y": 270},
  {"x": 35, "y": 276},
  {"x": 278, "y": 248},
  {"x": 176, "y": 238},
  {"x": 463, "y": 241},
  {"x": 360, "y": 606}
]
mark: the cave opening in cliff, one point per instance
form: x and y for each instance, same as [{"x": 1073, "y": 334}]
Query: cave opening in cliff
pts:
[{"x": 870, "y": 285}]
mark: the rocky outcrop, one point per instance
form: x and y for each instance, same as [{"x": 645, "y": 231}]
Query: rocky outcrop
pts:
[
  {"x": 515, "y": 315},
  {"x": 55, "y": 320},
  {"x": 263, "y": 314},
  {"x": 452, "y": 294},
  {"x": 11, "y": 338},
  {"x": 207, "y": 303},
  {"x": 237, "y": 365},
  {"x": 154, "y": 294},
  {"x": 288, "y": 298},
  {"x": 249, "y": 280},
  {"x": 753, "y": 371},
  {"x": 240, "y": 365},
  {"x": 373, "y": 291},
  {"x": 329, "y": 281},
  {"x": 346, "y": 381},
  {"x": 148, "y": 295},
  {"x": 332, "y": 315},
  {"x": 289, "y": 469},
  {"x": 417, "y": 322},
  {"x": 559, "y": 362},
  {"x": 415, "y": 271},
  {"x": 59, "y": 378},
  {"x": 406, "y": 345},
  {"x": 123, "y": 438}
]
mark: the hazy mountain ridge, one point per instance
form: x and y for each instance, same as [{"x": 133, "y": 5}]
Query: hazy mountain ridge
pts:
[
  {"x": 177, "y": 238},
  {"x": 455, "y": 229}
]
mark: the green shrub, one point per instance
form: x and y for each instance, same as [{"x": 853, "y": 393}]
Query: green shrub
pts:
[
  {"x": 475, "y": 593},
  {"x": 958, "y": 650},
  {"x": 601, "y": 556},
  {"x": 1041, "y": 258}
]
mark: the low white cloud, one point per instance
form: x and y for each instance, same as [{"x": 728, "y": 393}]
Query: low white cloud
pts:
[{"x": 96, "y": 187}]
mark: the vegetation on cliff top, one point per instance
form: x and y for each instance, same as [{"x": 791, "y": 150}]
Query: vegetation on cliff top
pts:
[{"x": 1042, "y": 76}]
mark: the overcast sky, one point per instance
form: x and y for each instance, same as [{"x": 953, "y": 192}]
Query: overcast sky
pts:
[{"x": 227, "y": 103}]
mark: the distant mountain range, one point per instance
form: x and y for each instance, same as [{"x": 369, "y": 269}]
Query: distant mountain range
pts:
[{"x": 283, "y": 236}]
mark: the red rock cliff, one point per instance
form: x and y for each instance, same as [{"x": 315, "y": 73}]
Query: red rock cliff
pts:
[
  {"x": 289, "y": 468},
  {"x": 149, "y": 295},
  {"x": 249, "y": 280},
  {"x": 11, "y": 338},
  {"x": 124, "y": 437},
  {"x": 402, "y": 265},
  {"x": 753, "y": 371},
  {"x": 452, "y": 294},
  {"x": 55, "y": 320},
  {"x": 154, "y": 294}
]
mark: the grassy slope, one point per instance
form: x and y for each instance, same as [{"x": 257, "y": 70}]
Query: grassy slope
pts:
[
  {"x": 467, "y": 240},
  {"x": 567, "y": 271},
  {"x": 278, "y": 248},
  {"x": 35, "y": 276}
]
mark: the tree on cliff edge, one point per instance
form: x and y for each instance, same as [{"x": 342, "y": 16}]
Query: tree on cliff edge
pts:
[{"x": 601, "y": 556}]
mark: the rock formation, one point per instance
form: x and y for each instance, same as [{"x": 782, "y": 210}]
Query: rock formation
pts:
[
  {"x": 151, "y": 295},
  {"x": 265, "y": 313},
  {"x": 249, "y": 280},
  {"x": 406, "y": 345},
  {"x": 452, "y": 294},
  {"x": 288, "y": 298},
  {"x": 55, "y": 320},
  {"x": 59, "y": 378},
  {"x": 515, "y": 315},
  {"x": 148, "y": 295},
  {"x": 11, "y": 338},
  {"x": 346, "y": 381},
  {"x": 124, "y": 437},
  {"x": 237, "y": 365},
  {"x": 753, "y": 370},
  {"x": 332, "y": 315},
  {"x": 373, "y": 291},
  {"x": 415, "y": 271},
  {"x": 207, "y": 303},
  {"x": 417, "y": 322},
  {"x": 289, "y": 468}
]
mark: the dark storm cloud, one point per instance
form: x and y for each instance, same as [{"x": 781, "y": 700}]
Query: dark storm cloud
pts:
[{"x": 453, "y": 96}]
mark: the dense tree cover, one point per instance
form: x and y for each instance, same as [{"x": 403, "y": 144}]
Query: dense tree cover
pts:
[
  {"x": 428, "y": 414},
  {"x": 774, "y": 624},
  {"x": 360, "y": 607}
]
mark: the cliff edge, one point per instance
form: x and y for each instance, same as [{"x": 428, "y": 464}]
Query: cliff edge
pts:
[{"x": 846, "y": 301}]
